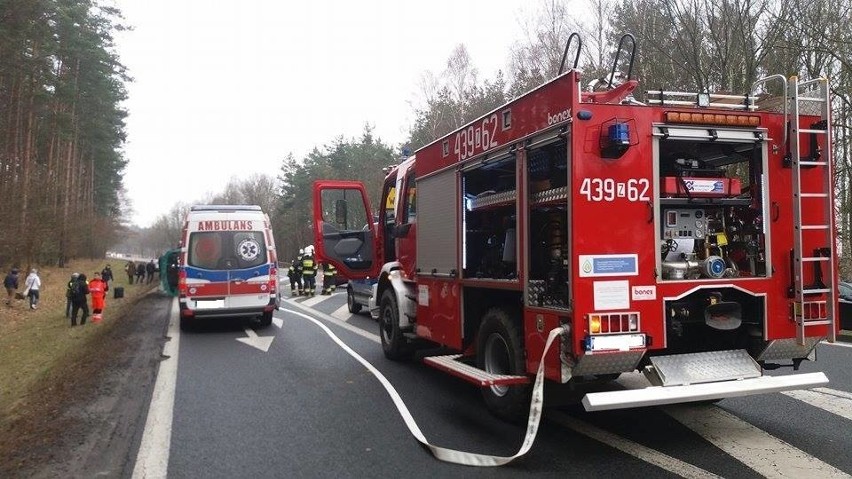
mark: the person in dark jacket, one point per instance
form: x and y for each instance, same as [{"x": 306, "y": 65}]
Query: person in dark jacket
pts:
[
  {"x": 106, "y": 276},
  {"x": 79, "y": 291},
  {"x": 140, "y": 272},
  {"x": 11, "y": 285},
  {"x": 68, "y": 303},
  {"x": 309, "y": 272},
  {"x": 150, "y": 269}
]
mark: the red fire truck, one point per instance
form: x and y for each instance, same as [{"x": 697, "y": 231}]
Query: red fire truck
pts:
[{"x": 688, "y": 236}]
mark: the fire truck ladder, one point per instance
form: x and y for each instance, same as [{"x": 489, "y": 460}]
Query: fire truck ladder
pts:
[{"x": 809, "y": 312}]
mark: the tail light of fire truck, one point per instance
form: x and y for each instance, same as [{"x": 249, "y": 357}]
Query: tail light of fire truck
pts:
[{"x": 609, "y": 331}]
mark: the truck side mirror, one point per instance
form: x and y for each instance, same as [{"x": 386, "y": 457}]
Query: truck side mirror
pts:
[{"x": 340, "y": 213}]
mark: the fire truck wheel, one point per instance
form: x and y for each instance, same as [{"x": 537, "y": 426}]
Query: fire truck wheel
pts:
[
  {"x": 394, "y": 344},
  {"x": 354, "y": 307},
  {"x": 500, "y": 351}
]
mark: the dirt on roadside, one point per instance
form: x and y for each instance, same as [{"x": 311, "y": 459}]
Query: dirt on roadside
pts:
[{"x": 87, "y": 420}]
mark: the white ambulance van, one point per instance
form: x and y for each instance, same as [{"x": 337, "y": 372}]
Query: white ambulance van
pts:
[{"x": 228, "y": 265}]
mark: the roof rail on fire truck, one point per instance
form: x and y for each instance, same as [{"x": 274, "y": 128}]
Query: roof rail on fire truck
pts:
[{"x": 702, "y": 100}]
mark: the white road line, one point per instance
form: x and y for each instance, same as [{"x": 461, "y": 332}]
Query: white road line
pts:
[
  {"x": 766, "y": 454},
  {"x": 152, "y": 461},
  {"x": 643, "y": 453},
  {"x": 831, "y": 400},
  {"x": 360, "y": 332},
  {"x": 278, "y": 322},
  {"x": 313, "y": 300},
  {"x": 843, "y": 345},
  {"x": 342, "y": 313}
]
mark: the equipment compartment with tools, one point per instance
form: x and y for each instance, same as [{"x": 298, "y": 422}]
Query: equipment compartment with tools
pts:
[{"x": 711, "y": 209}]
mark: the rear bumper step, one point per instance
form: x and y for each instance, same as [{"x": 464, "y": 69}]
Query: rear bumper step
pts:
[
  {"x": 450, "y": 364},
  {"x": 659, "y": 395}
]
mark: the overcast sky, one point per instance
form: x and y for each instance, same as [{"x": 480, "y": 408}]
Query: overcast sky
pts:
[{"x": 226, "y": 89}]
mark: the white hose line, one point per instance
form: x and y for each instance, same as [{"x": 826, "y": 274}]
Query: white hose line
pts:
[{"x": 451, "y": 455}]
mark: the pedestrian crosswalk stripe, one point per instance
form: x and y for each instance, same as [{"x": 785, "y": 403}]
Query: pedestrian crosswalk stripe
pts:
[
  {"x": 831, "y": 400},
  {"x": 313, "y": 300},
  {"x": 764, "y": 453},
  {"x": 342, "y": 313},
  {"x": 644, "y": 453}
]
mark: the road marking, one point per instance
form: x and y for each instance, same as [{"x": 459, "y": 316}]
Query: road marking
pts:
[
  {"x": 313, "y": 300},
  {"x": 342, "y": 313},
  {"x": 152, "y": 461},
  {"x": 764, "y": 453},
  {"x": 446, "y": 454},
  {"x": 842, "y": 345},
  {"x": 260, "y": 342},
  {"x": 360, "y": 332},
  {"x": 278, "y": 322},
  {"x": 831, "y": 400},
  {"x": 644, "y": 453}
]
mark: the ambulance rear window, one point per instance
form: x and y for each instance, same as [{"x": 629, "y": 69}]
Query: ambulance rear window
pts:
[{"x": 226, "y": 250}]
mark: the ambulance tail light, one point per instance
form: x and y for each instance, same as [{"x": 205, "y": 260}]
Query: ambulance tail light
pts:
[
  {"x": 182, "y": 290},
  {"x": 273, "y": 279}
]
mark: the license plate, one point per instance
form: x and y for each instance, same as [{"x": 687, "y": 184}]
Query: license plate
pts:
[{"x": 211, "y": 304}]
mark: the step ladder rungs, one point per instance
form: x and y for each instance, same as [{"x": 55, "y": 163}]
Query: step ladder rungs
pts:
[
  {"x": 811, "y": 130},
  {"x": 450, "y": 364},
  {"x": 814, "y": 227},
  {"x": 818, "y": 322},
  {"x": 816, "y": 291},
  {"x": 809, "y": 259},
  {"x": 814, "y": 195},
  {"x": 813, "y": 163}
]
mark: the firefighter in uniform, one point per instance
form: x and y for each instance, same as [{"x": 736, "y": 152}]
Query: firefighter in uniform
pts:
[
  {"x": 329, "y": 277},
  {"x": 295, "y": 274},
  {"x": 309, "y": 272}
]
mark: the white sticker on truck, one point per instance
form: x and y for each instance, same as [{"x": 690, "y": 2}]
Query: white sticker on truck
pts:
[{"x": 423, "y": 295}]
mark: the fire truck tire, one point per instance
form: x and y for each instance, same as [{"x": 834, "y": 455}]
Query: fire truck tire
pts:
[
  {"x": 394, "y": 344},
  {"x": 500, "y": 351},
  {"x": 354, "y": 307}
]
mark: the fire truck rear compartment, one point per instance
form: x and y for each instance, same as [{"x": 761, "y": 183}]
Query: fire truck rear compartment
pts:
[{"x": 714, "y": 319}]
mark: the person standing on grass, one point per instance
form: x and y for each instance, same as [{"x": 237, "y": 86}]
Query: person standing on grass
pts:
[
  {"x": 97, "y": 288},
  {"x": 11, "y": 285},
  {"x": 79, "y": 290},
  {"x": 68, "y": 303},
  {"x": 150, "y": 269},
  {"x": 32, "y": 285},
  {"x": 130, "y": 269},
  {"x": 106, "y": 275},
  {"x": 140, "y": 272}
]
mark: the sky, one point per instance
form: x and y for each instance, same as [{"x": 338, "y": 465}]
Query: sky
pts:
[{"x": 226, "y": 89}]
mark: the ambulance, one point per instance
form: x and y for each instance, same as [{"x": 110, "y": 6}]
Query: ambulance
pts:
[{"x": 228, "y": 265}]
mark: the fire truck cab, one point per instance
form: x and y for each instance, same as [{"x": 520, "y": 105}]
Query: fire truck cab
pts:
[{"x": 688, "y": 236}]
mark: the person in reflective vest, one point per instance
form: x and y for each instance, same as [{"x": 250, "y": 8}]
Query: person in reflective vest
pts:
[
  {"x": 97, "y": 288},
  {"x": 329, "y": 277},
  {"x": 309, "y": 273},
  {"x": 295, "y": 274}
]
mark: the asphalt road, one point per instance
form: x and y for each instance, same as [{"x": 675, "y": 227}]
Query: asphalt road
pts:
[{"x": 305, "y": 408}]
